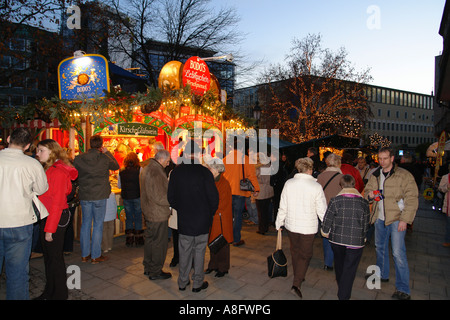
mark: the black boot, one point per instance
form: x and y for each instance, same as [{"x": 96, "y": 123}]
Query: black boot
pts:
[
  {"x": 139, "y": 238},
  {"x": 129, "y": 237}
]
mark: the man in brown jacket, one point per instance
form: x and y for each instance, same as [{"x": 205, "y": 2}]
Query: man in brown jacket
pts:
[
  {"x": 155, "y": 207},
  {"x": 391, "y": 215}
]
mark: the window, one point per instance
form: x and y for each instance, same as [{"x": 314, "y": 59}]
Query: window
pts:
[
  {"x": 397, "y": 114},
  {"x": 388, "y": 113},
  {"x": 379, "y": 112},
  {"x": 406, "y": 115},
  {"x": 378, "y": 95}
]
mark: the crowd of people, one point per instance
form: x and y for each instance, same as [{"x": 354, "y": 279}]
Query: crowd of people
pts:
[{"x": 198, "y": 199}]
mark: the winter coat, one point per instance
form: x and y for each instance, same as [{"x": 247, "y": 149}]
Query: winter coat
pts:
[
  {"x": 302, "y": 201},
  {"x": 59, "y": 177},
  {"x": 333, "y": 188},
  {"x": 93, "y": 174},
  {"x": 21, "y": 177},
  {"x": 154, "y": 185},
  {"x": 351, "y": 170},
  {"x": 233, "y": 172},
  {"x": 193, "y": 193},
  {"x": 225, "y": 209},
  {"x": 399, "y": 187},
  {"x": 444, "y": 187},
  {"x": 265, "y": 189},
  {"x": 346, "y": 220}
]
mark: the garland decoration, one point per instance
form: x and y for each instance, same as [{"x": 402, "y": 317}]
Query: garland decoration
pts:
[{"x": 119, "y": 104}]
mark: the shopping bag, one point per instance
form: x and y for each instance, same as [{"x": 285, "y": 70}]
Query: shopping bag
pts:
[{"x": 277, "y": 262}]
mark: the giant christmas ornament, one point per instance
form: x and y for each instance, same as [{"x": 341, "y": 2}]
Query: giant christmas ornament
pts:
[{"x": 170, "y": 76}]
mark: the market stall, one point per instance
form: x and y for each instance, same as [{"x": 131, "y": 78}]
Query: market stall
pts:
[{"x": 188, "y": 103}]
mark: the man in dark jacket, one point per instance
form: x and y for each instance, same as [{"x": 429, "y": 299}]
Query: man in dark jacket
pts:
[
  {"x": 193, "y": 193},
  {"x": 93, "y": 177}
]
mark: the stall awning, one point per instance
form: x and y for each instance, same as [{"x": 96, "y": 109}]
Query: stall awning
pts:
[{"x": 37, "y": 124}]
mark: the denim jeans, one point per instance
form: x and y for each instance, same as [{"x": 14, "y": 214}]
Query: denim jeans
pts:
[
  {"x": 252, "y": 210},
  {"x": 238, "y": 203},
  {"x": 92, "y": 211},
  {"x": 382, "y": 235},
  {"x": 447, "y": 229},
  {"x": 133, "y": 213},
  {"x": 15, "y": 249},
  {"x": 328, "y": 255}
]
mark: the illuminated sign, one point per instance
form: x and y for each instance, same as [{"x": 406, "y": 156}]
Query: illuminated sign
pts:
[
  {"x": 196, "y": 74},
  {"x": 81, "y": 77}
]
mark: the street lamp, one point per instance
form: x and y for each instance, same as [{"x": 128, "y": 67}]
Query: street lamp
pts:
[{"x": 228, "y": 57}]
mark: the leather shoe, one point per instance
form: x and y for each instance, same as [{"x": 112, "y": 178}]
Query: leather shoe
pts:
[
  {"x": 161, "y": 276},
  {"x": 99, "y": 259},
  {"x": 203, "y": 286},
  {"x": 297, "y": 291},
  {"x": 182, "y": 289},
  {"x": 86, "y": 259},
  {"x": 220, "y": 274},
  {"x": 208, "y": 271},
  {"x": 239, "y": 243}
]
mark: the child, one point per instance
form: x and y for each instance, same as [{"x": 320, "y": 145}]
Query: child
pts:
[
  {"x": 108, "y": 224},
  {"x": 345, "y": 224}
]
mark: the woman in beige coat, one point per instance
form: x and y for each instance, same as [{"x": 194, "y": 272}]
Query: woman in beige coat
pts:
[{"x": 265, "y": 195}]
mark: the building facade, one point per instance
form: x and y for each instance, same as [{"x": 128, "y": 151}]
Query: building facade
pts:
[
  {"x": 27, "y": 72},
  {"x": 405, "y": 119}
]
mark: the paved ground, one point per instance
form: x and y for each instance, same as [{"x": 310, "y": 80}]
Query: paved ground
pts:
[{"x": 121, "y": 277}]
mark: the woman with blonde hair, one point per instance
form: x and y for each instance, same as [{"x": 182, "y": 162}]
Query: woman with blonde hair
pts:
[
  {"x": 302, "y": 202},
  {"x": 60, "y": 173}
]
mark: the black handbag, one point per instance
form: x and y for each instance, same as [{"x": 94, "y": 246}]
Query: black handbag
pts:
[
  {"x": 219, "y": 242},
  {"x": 245, "y": 184},
  {"x": 277, "y": 262}
]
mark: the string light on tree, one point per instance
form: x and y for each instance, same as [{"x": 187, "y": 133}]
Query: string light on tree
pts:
[{"x": 377, "y": 140}]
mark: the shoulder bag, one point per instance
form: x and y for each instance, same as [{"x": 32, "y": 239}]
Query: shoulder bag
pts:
[
  {"x": 245, "y": 184},
  {"x": 219, "y": 242},
  {"x": 326, "y": 185}
]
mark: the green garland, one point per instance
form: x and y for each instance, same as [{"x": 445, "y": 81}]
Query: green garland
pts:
[{"x": 118, "y": 103}]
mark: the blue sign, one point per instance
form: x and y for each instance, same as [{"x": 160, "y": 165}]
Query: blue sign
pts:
[{"x": 85, "y": 76}]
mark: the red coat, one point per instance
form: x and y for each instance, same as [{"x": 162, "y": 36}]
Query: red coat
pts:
[
  {"x": 225, "y": 208},
  {"x": 351, "y": 170},
  {"x": 59, "y": 177}
]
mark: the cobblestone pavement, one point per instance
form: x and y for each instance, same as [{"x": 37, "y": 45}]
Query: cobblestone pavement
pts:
[{"x": 121, "y": 277}]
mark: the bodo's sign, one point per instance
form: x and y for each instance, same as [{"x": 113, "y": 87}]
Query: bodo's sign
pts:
[{"x": 196, "y": 74}]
